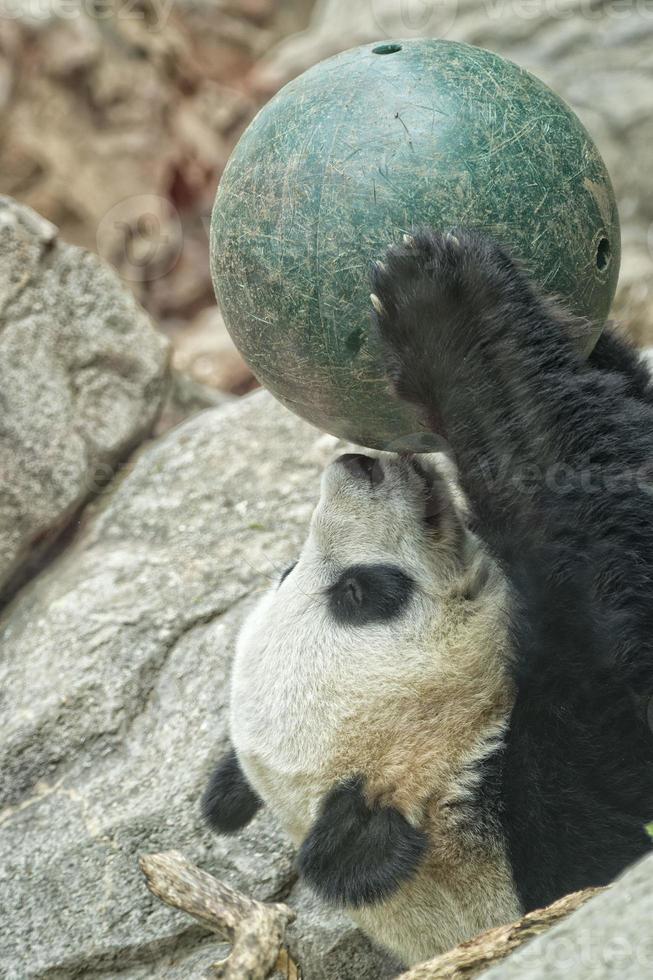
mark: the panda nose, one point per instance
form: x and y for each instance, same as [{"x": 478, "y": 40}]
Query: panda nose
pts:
[{"x": 363, "y": 467}]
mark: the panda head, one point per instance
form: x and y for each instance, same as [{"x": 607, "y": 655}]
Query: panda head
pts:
[{"x": 369, "y": 680}]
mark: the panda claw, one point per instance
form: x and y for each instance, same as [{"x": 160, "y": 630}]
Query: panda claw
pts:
[
  {"x": 377, "y": 304},
  {"x": 409, "y": 240},
  {"x": 451, "y": 238}
]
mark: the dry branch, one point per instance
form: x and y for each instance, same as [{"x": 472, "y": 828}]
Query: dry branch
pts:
[
  {"x": 255, "y": 929},
  {"x": 480, "y": 953}
]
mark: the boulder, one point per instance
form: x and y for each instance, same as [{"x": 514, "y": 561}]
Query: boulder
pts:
[
  {"x": 82, "y": 377},
  {"x": 114, "y": 667},
  {"x": 609, "y": 937}
]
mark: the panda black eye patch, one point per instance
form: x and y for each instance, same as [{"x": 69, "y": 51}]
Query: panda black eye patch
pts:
[{"x": 369, "y": 594}]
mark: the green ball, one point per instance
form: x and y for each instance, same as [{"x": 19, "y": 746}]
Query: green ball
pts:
[{"x": 369, "y": 145}]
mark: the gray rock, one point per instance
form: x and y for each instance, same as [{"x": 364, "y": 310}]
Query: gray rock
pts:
[
  {"x": 609, "y": 937},
  {"x": 114, "y": 668},
  {"x": 82, "y": 377}
]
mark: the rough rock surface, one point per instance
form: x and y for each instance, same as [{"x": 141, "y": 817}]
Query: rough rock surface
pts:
[
  {"x": 82, "y": 377},
  {"x": 609, "y": 937},
  {"x": 114, "y": 665},
  {"x": 598, "y": 56}
]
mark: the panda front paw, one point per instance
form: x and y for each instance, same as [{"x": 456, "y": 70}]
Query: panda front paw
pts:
[
  {"x": 359, "y": 853},
  {"x": 406, "y": 285},
  {"x": 229, "y": 802},
  {"x": 434, "y": 297}
]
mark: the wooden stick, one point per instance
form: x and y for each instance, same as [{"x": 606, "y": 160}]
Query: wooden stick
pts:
[
  {"x": 480, "y": 953},
  {"x": 255, "y": 929}
]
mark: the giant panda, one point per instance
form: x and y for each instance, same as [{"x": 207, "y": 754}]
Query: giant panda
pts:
[{"x": 445, "y": 699}]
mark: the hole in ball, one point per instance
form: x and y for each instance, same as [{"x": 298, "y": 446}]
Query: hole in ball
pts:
[
  {"x": 386, "y": 49},
  {"x": 603, "y": 254}
]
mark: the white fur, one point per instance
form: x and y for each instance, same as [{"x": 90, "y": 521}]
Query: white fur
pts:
[{"x": 410, "y": 704}]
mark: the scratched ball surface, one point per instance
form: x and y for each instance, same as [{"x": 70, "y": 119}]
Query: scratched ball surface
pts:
[{"x": 364, "y": 147}]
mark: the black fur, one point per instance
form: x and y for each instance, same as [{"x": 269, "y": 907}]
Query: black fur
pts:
[
  {"x": 555, "y": 455},
  {"x": 369, "y": 594},
  {"x": 358, "y": 853},
  {"x": 229, "y": 802},
  {"x": 612, "y": 353},
  {"x": 363, "y": 467}
]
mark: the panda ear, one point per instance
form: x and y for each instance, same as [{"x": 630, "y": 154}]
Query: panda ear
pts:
[
  {"x": 229, "y": 802},
  {"x": 359, "y": 853}
]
